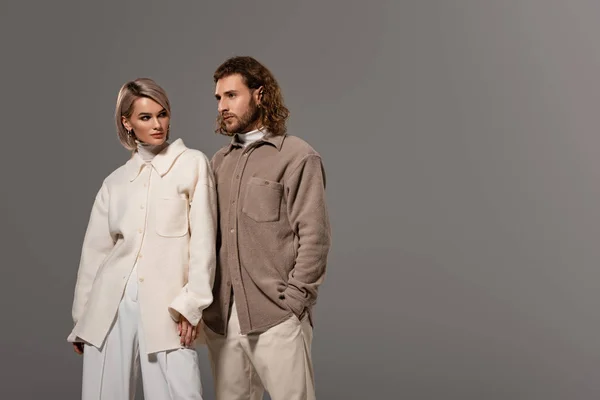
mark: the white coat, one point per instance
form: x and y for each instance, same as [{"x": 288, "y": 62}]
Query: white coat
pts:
[{"x": 162, "y": 216}]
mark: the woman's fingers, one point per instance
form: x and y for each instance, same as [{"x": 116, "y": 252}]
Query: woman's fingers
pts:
[
  {"x": 188, "y": 336},
  {"x": 78, "y": 347},
  {"x": 184, "y": 331}
]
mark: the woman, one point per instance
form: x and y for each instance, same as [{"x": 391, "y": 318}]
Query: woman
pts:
[{"x": 148, "y": 260}]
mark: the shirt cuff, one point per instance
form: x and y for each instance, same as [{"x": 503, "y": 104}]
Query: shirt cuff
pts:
[{"x": 186, "y": 305}]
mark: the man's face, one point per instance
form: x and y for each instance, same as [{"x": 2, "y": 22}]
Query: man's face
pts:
[{"x": 237, "y": 105}]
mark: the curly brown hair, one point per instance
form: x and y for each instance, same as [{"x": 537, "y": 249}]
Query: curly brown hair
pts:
[{"x": 272, "y": 112}]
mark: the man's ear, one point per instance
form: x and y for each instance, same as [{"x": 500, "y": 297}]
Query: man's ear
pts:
[{"x": 259, "y": 95}]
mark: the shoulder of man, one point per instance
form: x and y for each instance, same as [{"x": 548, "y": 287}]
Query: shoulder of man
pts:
[
  {"x": 218, "y": 156},
  {"x": 298, "y": 147}
]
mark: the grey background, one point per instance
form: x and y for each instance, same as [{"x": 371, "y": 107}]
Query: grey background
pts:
[{"x": 461, "y": 148}]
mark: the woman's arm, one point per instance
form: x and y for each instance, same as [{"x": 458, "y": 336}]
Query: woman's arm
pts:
[
  {"x": 97, "y": 244},
  {"x": 196, "y": 295}
]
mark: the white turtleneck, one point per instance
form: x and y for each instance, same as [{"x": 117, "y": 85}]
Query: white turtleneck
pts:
[
  {"x": 250, "y": 137},
  {"x": 148, "y": 151}
]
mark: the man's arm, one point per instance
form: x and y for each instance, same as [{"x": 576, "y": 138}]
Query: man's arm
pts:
[{"x": 307, "y": 212}]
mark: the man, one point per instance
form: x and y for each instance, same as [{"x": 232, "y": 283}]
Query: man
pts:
[{"x": 273, "y": 241}]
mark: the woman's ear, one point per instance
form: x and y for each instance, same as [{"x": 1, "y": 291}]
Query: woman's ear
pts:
[{"x": 126, "y": 123}]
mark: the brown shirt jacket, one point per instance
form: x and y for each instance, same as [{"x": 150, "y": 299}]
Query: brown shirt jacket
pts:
[{"x": 274, "y": 232}]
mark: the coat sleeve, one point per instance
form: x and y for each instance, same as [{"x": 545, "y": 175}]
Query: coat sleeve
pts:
[
  {"x": 307, "y": 212},
  {"x": 196, "y": 295},
  {"x": 97, "y": 244}
]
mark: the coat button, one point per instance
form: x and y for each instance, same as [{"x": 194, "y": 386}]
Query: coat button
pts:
[{"x": 282, "y": 296}]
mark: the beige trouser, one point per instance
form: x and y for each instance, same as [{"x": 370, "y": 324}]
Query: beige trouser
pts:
[{"x": 278, "y": 360}]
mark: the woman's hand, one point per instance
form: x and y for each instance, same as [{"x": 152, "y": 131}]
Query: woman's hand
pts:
[
  {"x": 78, "y": 347},
  {"x": 187, "y": 332}
]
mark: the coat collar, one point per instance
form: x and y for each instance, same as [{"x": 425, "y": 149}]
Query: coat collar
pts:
[
  {"x": 162, "y": 162},
  {"x": 275, "y": 140}
]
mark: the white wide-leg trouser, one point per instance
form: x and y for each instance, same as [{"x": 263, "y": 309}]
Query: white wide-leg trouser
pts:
[{"x": 110, "y": 373}]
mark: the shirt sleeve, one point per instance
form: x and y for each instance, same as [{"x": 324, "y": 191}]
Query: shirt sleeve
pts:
[
  {"x": 196, "y": 295},
  {"x": 307, "y": 212},
  {"x": 97, "y": 244}
]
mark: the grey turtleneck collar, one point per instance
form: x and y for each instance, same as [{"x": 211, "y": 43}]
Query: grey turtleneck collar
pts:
[{"x": 148, "y": 151}]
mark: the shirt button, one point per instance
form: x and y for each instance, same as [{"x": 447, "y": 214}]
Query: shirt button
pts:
[
  {"x": 139, "y": 256},
  {"x": 141, "y": 279},
  {"x": 142, "y": 206},
  {"x": 145, "y": 184},
  {"x": 140, "y": 230}
]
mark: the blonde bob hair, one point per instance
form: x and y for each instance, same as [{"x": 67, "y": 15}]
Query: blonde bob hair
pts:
[{"x": 129, "y": 93}]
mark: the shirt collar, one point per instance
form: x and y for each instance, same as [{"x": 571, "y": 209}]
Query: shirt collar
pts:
[
  {"x": 274, "y": 140},
  {"x": 162, "y": 162}
]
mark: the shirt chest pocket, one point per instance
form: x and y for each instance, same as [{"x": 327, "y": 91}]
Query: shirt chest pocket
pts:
[
  {"x": 172, "y": 217},
  {"x": 262, "y": 200}
]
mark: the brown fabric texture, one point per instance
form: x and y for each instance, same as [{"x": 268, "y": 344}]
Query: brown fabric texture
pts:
[{"x": 274, "y": 232}]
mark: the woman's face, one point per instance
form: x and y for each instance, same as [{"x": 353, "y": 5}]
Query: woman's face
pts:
[{"x": 149, "y": 121}]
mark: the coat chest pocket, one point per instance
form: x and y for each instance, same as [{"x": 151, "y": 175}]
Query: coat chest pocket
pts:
[
  {"x": 172, "y": 217},
  {"x": 262, "y": 200}
]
